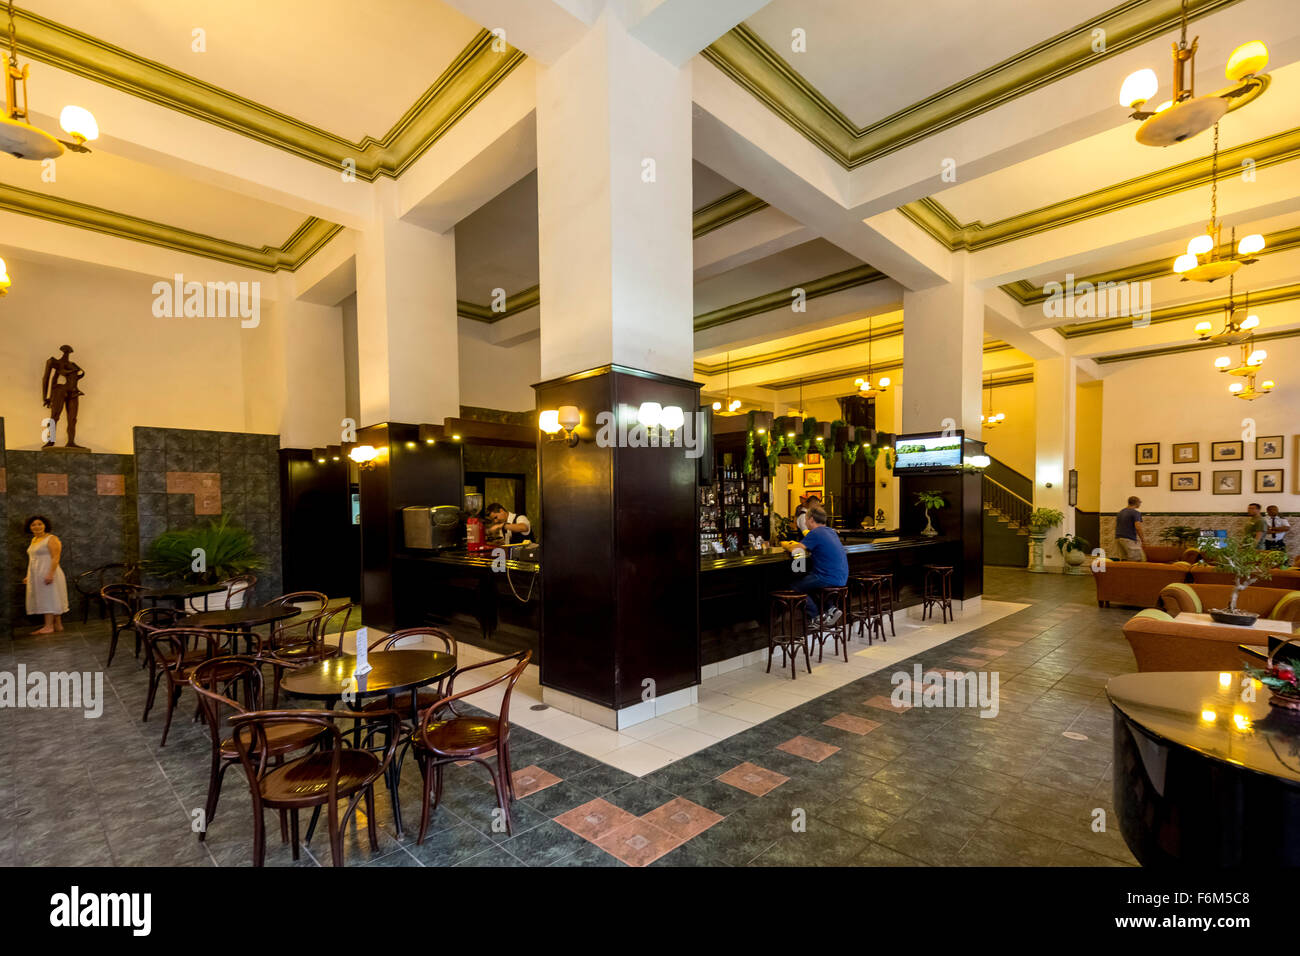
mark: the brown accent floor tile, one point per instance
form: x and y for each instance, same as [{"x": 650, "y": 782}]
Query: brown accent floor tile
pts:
[
  {"x": 1003, "y": 642},
  {"x": 884, "y": 703},
  {"x": 854, "y": 725},
  {"x": 682, "y": 818},
  {"x": 989, "y": 651},
  {"x": 970, "y": 661},
  {"x": 753, "y": 779},
  {"x": 808, "y": 748},
  {"x": 531, "y": 779},
  {"x": 638, "y": 843},
  {"x": 596, "y": 819}
]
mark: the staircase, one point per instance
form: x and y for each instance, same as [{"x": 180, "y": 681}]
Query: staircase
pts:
[
  {"x": 1007, "y": 498},
  {"x": 1006, "y": 506}
]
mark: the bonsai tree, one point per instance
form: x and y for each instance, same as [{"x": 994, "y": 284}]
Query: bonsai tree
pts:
[
  {"x": 928, "y": 500},
  {"x": 227, "y": 549},
  {"x": 1180, "y": 534},
  {"x": 1248, "y": 564},
  {"x": 1044, "y": 518}
]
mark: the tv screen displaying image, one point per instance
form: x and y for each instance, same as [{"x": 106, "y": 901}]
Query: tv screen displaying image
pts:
[{"x": 928, "y": 450}]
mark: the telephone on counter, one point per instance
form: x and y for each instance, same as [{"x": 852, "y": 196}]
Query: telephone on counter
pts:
[{"x": 532, "y": 551}]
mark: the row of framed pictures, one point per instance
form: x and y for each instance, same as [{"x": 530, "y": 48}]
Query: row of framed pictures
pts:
[
  {"x": 1189, "y": 452},
  {"x": 1267, "y": 481}
]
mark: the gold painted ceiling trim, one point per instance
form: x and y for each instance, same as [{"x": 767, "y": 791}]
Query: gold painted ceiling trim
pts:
[
  {"x": 750, "y": 62},
  {"x": 474, "y": 73},
  {"x": 519, "y": 302},
  {"x": 305, "y": 241},
  {"x": 1028, "y": 294},
  {"x": 1187, "y": 347},
  {"x": 876, "y": 369},
  {"x": 1186, "y": 311},
  {"x": 724, "y": 211},
  {"x": 781, "y": 298},
  {"x": 933, "y": 218}
]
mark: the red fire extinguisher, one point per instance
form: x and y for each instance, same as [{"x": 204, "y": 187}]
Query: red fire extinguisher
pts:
[{"x": 474, "y": 533}]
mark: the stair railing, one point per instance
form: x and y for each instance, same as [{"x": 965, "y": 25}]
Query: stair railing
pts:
[{"x": 998, "y": 497}]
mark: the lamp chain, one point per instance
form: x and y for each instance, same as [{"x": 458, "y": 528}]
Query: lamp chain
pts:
[
  {"x": 13, "y": 37},
  {"x": 1182, "y": 40},
  {"x": 1214, "y": 180}
]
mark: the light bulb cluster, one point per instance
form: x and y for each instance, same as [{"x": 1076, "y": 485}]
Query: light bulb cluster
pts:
[
  {"x": 1202, "y": 262},
  {"x": 882, "y": 384},
  {"x": 4, "y": 278}
]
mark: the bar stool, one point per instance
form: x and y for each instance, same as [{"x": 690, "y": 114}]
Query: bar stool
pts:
[
  {"x": 938, "y": 591},
  {"x": 786, "y": 606},
  {"x": 828, "y": 599},
  {"x": 865, "y": 605},
  {"x": 886, "y": 597}
]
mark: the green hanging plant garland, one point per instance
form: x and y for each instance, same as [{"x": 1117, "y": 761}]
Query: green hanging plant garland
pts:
[
  {"x": 749, "y": 446},
  {"x": 851, "y": 450}
]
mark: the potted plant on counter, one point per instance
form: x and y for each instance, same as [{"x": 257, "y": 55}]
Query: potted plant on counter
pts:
[
  {"x": 928, "y": 500},
  {"x": 204, "y": 553},
  {"x": 1247, "y": 564},
  {"x": 1074, "y": 550},
  {"x": 1039, "y": 522}
]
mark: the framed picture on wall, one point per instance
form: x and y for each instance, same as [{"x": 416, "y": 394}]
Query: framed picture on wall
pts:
[
  {"x": 1185, "y": 481},
  {"x": 1268, "y": 481},
  {"x": 1147, "y": 453},
  {"x": 1269, "y": 447},
  {"x": 1187, "y": 453},
  {"x": 1227, "y": 451},
  {"x": 814, "y": 458},
  {"x": 1227, "y": 482},
  {"x": 812, "y": 478},
  {"x": 1146, "y": 478}
]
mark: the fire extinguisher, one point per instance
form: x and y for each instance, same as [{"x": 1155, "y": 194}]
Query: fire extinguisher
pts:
[{"x": 474, "y": 533}]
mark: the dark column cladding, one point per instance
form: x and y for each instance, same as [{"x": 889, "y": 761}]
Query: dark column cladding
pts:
[{"x": 321, "y": 545}]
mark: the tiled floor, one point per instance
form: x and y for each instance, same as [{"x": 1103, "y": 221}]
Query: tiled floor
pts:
[{"x": 838, "y": 778}]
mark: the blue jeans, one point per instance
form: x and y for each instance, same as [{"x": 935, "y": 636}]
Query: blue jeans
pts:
[{"x": 811, "y": 582}]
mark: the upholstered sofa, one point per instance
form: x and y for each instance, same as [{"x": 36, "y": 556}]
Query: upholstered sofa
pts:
[
  {"x": 1136, "y": 583},
  {"x": 1160, "y": 643},
  {"x": 1278, "y": 604},
  {"x": 1285, "y": 578},
  {"x": 1169, "y": 553}
]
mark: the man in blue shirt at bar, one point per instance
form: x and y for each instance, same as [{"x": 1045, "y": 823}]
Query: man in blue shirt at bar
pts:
[{"x": 828, "y": 564}]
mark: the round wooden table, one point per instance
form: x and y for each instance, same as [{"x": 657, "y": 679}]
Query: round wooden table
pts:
[
  {"x": 180, "y": 593},
  {"x": 241, "y": 618}
]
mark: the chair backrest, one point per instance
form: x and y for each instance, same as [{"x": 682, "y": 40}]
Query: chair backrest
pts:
[
  {"x": 334, "y": 620},
  {"x": 510, "y": 678},
  {"x": 170, "y": 644},
  {"x": 252, "y": 742},
  {"x": 122, "y": 600},
  {"x": 224, "y": 684},
  {"x": 239, "y": 587},
  {"x": 311, "y": 602},
  {"x": 156, "y": 618},
  {"x": 414, "y": 635}
]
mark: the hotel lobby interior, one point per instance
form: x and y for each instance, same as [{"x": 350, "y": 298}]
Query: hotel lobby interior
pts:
[{"x": 469, "y": 386}]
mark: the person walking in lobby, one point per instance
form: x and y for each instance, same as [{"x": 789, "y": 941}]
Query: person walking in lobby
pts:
[
  {"x": 1278, "y": 526},
  {"x": 1256, "y": 527},
  {"x": 1128, "y": 531},
  {"x": 828, "y": 562},
  {"x": 47, "y": 588}
]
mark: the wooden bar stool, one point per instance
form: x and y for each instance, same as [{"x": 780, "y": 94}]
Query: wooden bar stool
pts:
[
  {"x": 865, "y": 605},
  {"x": 938, "y": 591},
  {"x": 785, "y": 609},
  {"x": 887, "y": 598},
  {"x": 828, "y": 599}
]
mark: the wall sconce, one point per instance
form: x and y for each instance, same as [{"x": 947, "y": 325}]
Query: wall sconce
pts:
[
  {"x": 566, "y": 418},
  {"x": 319, "y": 455},
  {"x": 364, "y": 456},
  {"x": 978, "y": 461},
  {"x": 649, "y": 414},
  {"x": 429, "y": 434},
  {"x": 4, "y": 279},
  {"x": 334, "y": 452}
]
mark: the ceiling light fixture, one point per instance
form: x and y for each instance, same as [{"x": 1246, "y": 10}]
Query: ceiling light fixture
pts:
[
  {"x": 1239, "y": 329},
  {"x": 991, "y": 419},
  {"x": 864, "y": 384},
  {"x": 1202, "y": 261},
  {"x": 1187, "y": 114},
  {"x": 17, "y": 136},
  {"x": 4, "y": 279}
]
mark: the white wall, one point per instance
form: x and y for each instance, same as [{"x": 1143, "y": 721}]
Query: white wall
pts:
[
  {"x": 140, "y": 370},
  {"x": 493, "y": 376},
  {"x": 1182, "y": 398}
]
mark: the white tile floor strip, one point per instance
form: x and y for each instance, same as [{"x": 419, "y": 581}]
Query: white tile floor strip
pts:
[{"x": 731, "y": 702}]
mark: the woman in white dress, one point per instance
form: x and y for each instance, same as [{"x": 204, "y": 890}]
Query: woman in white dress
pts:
[{"x": 47, "y": 588}]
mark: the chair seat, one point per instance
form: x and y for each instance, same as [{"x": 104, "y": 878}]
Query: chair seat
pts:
[
  {"x": 281, "y": 739},
  {"x": 305, "y": 781},
  {"x": 306, "y": 651},
  {"x": 461, "y": 736}
]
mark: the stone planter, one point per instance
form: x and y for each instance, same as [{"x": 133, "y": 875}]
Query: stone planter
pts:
[
  {"x": 1075, "y": 561},
  {"x": 1036, "y": 539}
]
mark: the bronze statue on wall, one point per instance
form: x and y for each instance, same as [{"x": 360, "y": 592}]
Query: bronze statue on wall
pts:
[{"x": 61, "y": 391}]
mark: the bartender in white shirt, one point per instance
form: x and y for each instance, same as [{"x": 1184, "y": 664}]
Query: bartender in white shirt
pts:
[
  {"x": 1276, "y": 528},
  {"x": 507, "y": 524}
]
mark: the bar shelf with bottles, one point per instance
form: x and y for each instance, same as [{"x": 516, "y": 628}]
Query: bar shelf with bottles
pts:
[{"x": 735, "y": 511}]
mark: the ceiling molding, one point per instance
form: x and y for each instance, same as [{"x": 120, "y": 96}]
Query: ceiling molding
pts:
[
  {"x": 876, "y": 369},
  {"x": 751, "y": 63},
  {"x": 305, "y": 241},
  {"x": 474, "y": 73},
  {"x": 1189, "y": 347},
  {"x": 1186, "y": 311},
  {"x": 519, "y": 302},
  {"x": 1028, "y": 294},
  {"x": 781, "y": 298},
  {"x": 724, "y": 211},
  {"x": 933, "y": 218}
]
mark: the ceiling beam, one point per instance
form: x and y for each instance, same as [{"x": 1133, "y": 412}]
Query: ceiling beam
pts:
[{"x": 679, "y": 29}]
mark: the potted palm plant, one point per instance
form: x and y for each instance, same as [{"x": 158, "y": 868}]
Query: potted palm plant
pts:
[
  {"x": 928, "y": 500},
  {"x": 1039, "y": 522},
  {"x": 204, "y": 553},
  {"x": 1074, "y": 550},
  {"x": 1247, "y": 564}
]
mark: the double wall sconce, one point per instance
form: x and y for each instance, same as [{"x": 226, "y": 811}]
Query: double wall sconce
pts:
[
  {"x": 328, "y": 453},
  {"x": 564, "y": 419}
]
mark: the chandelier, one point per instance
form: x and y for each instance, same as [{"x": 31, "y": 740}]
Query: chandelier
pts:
[
  {"x": 1187, "y": 114},
  {"x": 4, "y": 279},
  {"x": 17, "y": 136},
  {"x": 992, "y": 419},
  {"x": 1202, "y": 262},
  {"x": 732, "y": 403},
  {"x": 864, "y": 384},
  {"x": 1238, "y": 329}
]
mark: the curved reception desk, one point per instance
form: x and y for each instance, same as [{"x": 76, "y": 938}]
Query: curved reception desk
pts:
[{"x": 1203, "y": 777}]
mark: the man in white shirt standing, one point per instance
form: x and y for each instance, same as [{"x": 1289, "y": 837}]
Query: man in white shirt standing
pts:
[
  {"x": 507, "y": 524},
  {"x": 1276, "y": 529}
]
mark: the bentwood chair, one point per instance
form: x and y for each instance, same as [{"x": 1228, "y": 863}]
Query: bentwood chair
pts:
[
  {"x": 301, "y": 628},
  {"x": 443, "y": 735},
  {"x": 122, "y": 601},
  {"x": 146, "y": 621},
  {"x": 310, "y": 637},
  {"x": 409, "y": 638},
  {"x": 88, "y": 584},
  {"x": 229, "y": 686},
  {"x": 177, "y": 651},
  {"x": 241, "y": 587},
  {"x": 333, "y": 772}
]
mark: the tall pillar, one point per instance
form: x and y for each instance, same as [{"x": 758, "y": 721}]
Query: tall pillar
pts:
[
  {"x": 407, "y": 325},
  {"x": 620, "y": 638},
  {"x": 1055, "y": 380},
  {"x": 943, "y": 355}
]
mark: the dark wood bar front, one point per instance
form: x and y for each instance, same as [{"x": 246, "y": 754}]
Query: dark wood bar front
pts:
[{"x": 735, "y": 589}]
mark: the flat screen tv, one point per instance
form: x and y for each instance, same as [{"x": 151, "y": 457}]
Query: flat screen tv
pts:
[{"x": 928, "y": 451}]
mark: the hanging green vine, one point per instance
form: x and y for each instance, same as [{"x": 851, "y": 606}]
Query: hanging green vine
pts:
[
  {"x": 870, "y": 454},
  {"x": 749, "y": 447},
  {"x": 774, "y": 445},
  {"x": 851, "y": 450}
]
